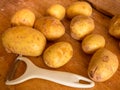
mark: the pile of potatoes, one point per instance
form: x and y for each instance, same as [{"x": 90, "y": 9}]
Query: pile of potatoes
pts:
[
  {"x": 103, "y": 63},
  {"x": 29, "y": 35}
]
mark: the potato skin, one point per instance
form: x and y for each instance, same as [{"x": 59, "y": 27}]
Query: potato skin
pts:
[
  {"x": 24, "y": 40},
  {"x": 58, "y": 54},
  {"x": 103, "y": 65},
  {"x": 79, "y": 8},
  {"x": 92, "y": 42},
  {"x": 81, "y": 26},
  {"x": 57, "y": 11},
  {"x": 51, "y": 27},
  {"x": 114, "y": 28},
  {"x": 23, "y": 17}
]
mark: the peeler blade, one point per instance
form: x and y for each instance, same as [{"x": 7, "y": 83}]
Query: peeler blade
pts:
[{"x": 13, "y": 69}]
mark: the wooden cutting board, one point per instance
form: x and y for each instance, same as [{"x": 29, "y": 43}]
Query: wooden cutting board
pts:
[{"x": 79, "y": 62}]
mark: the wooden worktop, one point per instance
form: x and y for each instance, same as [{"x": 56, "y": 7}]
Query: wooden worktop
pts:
[{"x": 102, "y": 14}]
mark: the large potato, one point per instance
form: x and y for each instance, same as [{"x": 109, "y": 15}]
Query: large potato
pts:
[
  {"x": 81, "y": 26},
  {"x": 23, "y": 17},
  {"x": 57, "y": 11},
  {"x": 58, "y": 54},
  {"x": 51, "y": 27},
  {"x": 79, "y": 8},
  {"x": 103, "y": 65},
  {"x": 23, "y": 40},
  {"x": 92, "y": 42},
  {"x": 114, "y": 28}
]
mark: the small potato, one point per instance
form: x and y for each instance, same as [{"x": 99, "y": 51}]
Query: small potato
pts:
[
  {"x": 24, "y": 40},
  {"x": 57, "y": 11},
  {"x": 51, "y": 27},
  {"x": 81, "y": 26},
  {"x": 79, "y": 8},
  {"x": 103, "y": 65},
  {"x": 114, "y": 28},
  {"x": 58, "y": 54},
  {"x": 92, "y": 42},
  {"x": 23, "y": 17}
]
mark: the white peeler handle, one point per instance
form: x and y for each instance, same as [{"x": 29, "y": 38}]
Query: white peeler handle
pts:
[{"x": 64, "y": 78}]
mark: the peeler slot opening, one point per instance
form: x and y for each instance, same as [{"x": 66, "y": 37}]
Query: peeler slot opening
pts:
[{"x": 83, "y": 82}]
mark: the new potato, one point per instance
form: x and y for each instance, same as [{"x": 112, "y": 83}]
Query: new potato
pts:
[
  {"x": 92, "y": 42},
  {"x": 58, "y": 54},
  {"x": 114, "y": 28},
  {"x": 79, "y": 8},
  {"x": 51, "y": 27},
  {"x": 57, "y": 11},
  {"x": 103, "y": 65},
  {"x": 81, "y": 26},
  {"x": 23, "y": 17},
  {"x": 24, "y": 40}
]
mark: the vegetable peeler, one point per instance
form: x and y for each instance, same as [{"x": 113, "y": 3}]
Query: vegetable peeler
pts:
[{"x": 60, "y": 77}]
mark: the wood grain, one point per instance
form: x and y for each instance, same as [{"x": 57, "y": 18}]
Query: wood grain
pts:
[
  {"x": 79, "y": 62},
  {"x": 108, "y": 7}
]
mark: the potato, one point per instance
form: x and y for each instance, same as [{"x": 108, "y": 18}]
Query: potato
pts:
[
  {"x": 24, "y": 40},
  {"x": 79, "y": 8},
  {"x": 23, "y": 17},
  {"x": 103, "y": 65},
  {"x": 51, "y": 27},
  {"x": 114, "y": 28},
  {"x": 57, "y": 11},
  {"x": 92, "y": 42},
  {"x": 81, "y": 26},
  {"x": 58, "y": 54}
]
